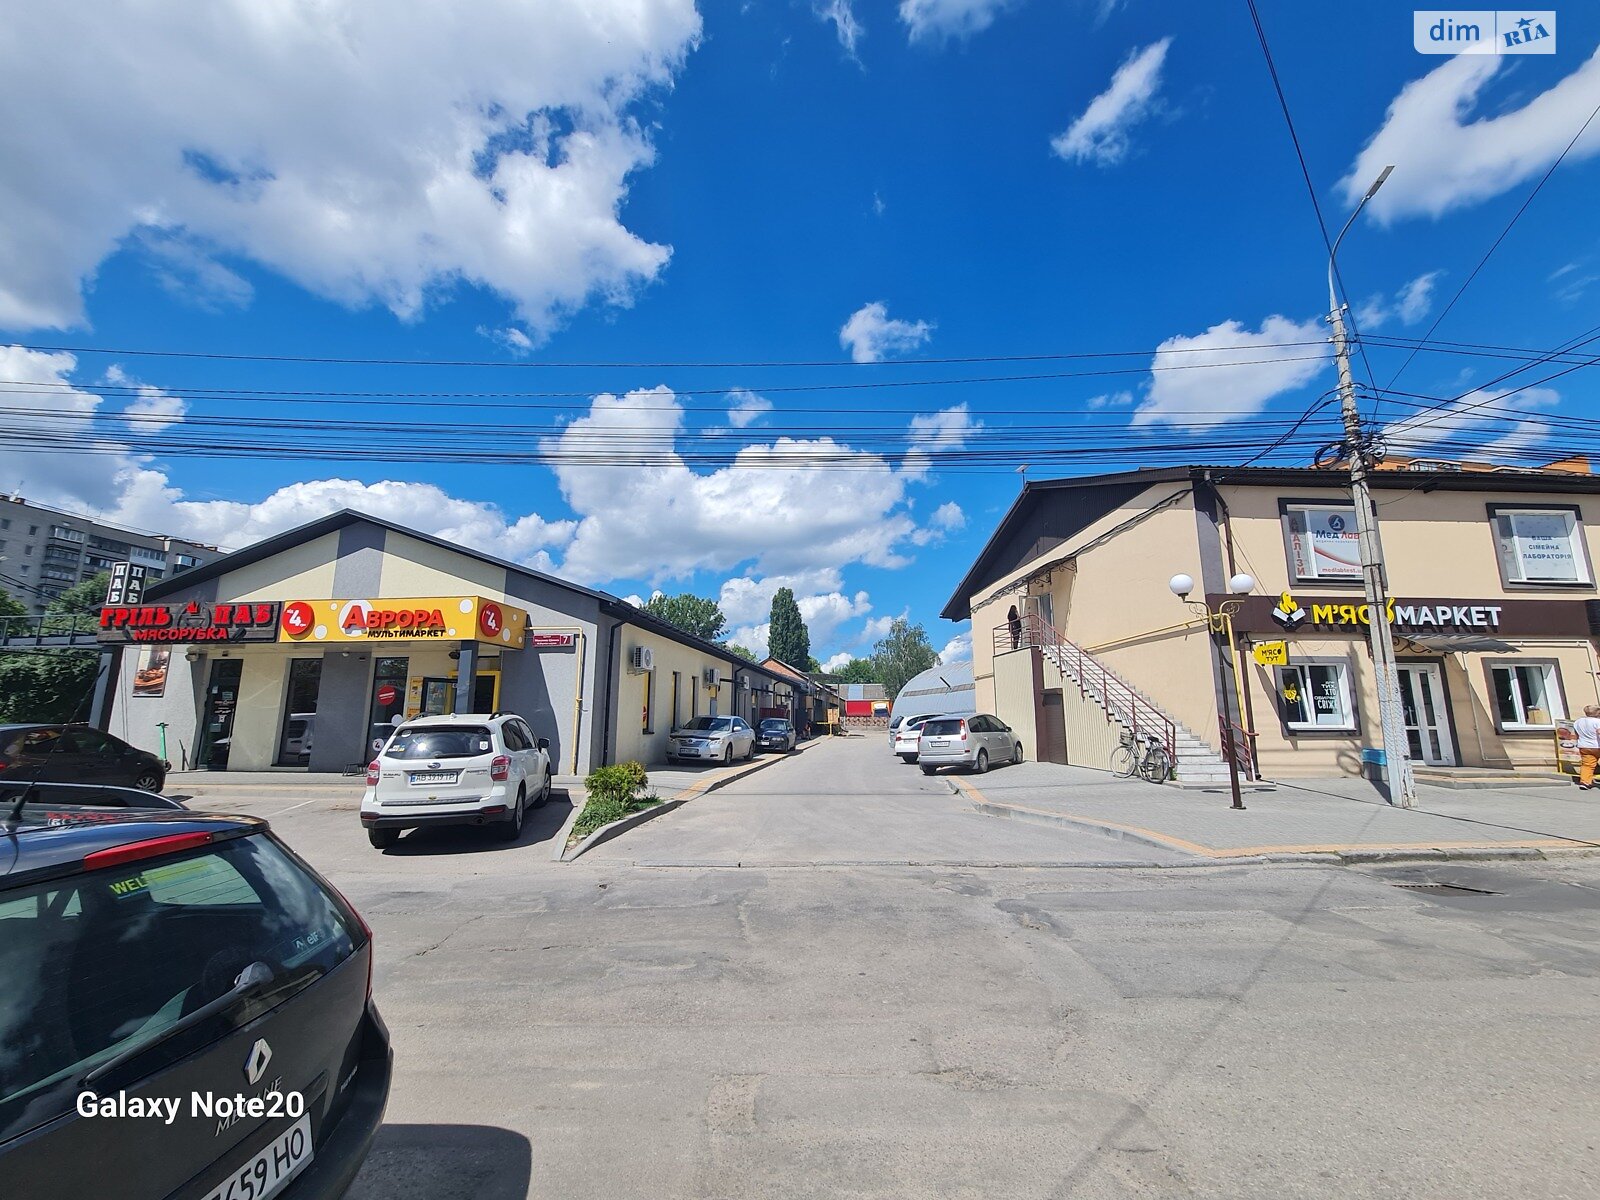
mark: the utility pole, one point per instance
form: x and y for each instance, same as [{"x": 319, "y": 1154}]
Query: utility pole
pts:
[{"x": 1396, "y": 747}]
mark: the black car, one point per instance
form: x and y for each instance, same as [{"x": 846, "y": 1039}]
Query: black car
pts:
[
  {"x": 776, "y": 733},
  {"x": 187, "y": 1012},
  {"x": 77, "y": 754}
]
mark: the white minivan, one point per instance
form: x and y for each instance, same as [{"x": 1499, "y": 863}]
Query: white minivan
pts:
[{"x": 456, "y": 770}]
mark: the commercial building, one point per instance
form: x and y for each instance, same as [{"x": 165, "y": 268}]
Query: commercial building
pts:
[
  {"x": 303, "y": 650},
  {"x": 1077, "y": 638},
  {"x": 44, "y": 551}
]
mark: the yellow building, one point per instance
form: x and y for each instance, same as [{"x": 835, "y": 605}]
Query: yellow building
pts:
[{"x": 1495, "y": 615}]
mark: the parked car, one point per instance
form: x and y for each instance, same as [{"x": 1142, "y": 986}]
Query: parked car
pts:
[
  {"x": 776, "y": 733},
  {"x": 707, "y": 739},
  {"x": 456, "y": 770},
  {"x": 75, "y": 798},
  {"x": 77, "y": 754},
  {"x": 975, "y": 742},
  {"x": 907, "y": 736},
  {"x": 299, "y": 734},
  {"x": 193, "y": 962}
]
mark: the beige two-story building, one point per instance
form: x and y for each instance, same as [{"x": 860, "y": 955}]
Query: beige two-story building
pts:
[{"x": 1495, "y": 615}]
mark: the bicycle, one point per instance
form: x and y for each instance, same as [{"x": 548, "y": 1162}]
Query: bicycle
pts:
[{"x": 1153, "y": 764}]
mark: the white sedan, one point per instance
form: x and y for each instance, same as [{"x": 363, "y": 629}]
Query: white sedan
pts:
[{"x": 712, "y": 739}]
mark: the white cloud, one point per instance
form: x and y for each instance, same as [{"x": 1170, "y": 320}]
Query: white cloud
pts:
[
  {"x": 125, "y": 488},
  {"x": 1445, "y": 159},
  {"x": 838, "y": 662},
  {"x": 753, "y": 638},
  {"x": 787, "y": 506},
  {"x": 1235, "y": 371},
  {"x": 155, "y": 407},
  {"x": 747, "y": 601},
  {"x": 512, "y": 339},
  {"x": 871, "y": 334},
  {"x": 1110, "y": 400},
  {"x": 1100, "y": 134},
  {"x": 957, "y": 649},
  {"x": 844, "y": 22},
  {"x": 876, "y": 629},
  {"x": 1481, "y": 425},
  {"x": 940, "y": 20},
  {"x": 405, "y": 149},
  {"x": 745, "y": 407},
  {"x": 1411, "y": 304},
  {"x": 949, "y": 516},
  {"x": 931, "y": 433},
  {"x": 192, "y": 273}
]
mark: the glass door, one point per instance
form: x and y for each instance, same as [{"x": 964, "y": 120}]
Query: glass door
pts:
[
  {"x": 388, "y": 700},
  {"x": 222, "y": 699},
  {"x": 300, "y": 712},
  {"x": 1423, "y": 707}
]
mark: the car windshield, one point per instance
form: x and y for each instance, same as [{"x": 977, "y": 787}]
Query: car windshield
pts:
[
  {"x": 942, "y": 726},
  {"x": 439, "y": 741},
  {"x": 710, "y": 724},
  {"x": 774, "y": 725},
  {"x": 100, "y": 961}
]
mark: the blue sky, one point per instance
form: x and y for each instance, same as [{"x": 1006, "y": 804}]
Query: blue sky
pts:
[{"x": 768, "y": 183}]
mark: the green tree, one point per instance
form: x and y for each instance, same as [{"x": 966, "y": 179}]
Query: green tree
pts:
[
  {"x": 903, "y": 654},
  {"x": 11, "y": 607},
  {"x": 77, "y": 607},
  {"x": 692, "y": 614},
  {"x": 46, "y": 685},
  {"x": 857, "y": 670},
  {"x": 788, "y": 640},
  {"x": 735, "y": 648}
]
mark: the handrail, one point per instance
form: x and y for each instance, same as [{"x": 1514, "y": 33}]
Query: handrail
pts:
[
  {"x": 1117, "y": 695},
  {"x": 1238, "y": 744}
]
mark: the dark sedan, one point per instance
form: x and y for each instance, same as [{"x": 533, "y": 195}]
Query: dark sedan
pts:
[
  {"x": 189, "y": 1013},
  {"x": 77, "y": 754},
  {"x": 776, "y": 733}
]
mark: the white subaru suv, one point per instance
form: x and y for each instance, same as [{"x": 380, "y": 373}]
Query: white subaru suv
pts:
[{"x": 456, "y": 770}]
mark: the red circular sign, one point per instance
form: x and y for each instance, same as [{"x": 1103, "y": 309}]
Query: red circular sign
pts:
[
  {"x": 388, "y": 694},
  {"x": 297, "y": 619},
  {"x": 491, "y": 620}
]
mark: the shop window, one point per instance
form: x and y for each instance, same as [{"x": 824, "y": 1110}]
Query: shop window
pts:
[
  {"x": 1540, "y": 545},
  {"x": 1315, "y": 696},
  {"x": 677, "y": 686},
  {"x": 694, "y": 696},
  {"x": 1527, "y": 695},
  {"x": 1322, "y": 542},
  {"x": 388, "y": 698}
]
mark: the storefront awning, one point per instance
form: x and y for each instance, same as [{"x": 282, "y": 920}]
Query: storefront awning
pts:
[{"x": 1458, "y": 643}]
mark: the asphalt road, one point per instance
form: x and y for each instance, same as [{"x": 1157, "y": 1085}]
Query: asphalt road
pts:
[{"x": 605, "y": 1029}]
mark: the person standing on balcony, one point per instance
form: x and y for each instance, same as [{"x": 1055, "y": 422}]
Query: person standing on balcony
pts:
[
  {"x": 1014, "y": 623},
  {"x": 1588, "y": 730}
]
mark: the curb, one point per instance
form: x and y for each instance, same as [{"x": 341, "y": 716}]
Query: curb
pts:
[
  {"x": 700, "y": 787},
  {"x": 606, "y": 832},
  {"x": 1326, "y": 855}
]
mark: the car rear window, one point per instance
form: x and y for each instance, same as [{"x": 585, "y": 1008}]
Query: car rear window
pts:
[
  {"x": 96, "y": 963},
  {"x": 944, "y": 726},
  {"x": 440, "y": 741}
]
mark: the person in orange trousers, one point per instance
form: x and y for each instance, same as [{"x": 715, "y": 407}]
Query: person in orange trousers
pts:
[{"x": 1588, "y": 730}]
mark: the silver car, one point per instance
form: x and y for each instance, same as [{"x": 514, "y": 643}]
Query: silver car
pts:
[
  {"x": 712, "y": 739},
  {"x": 976, "y": 742}
]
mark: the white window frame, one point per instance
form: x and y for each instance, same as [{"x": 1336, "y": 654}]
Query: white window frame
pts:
[
  {"x": 1512, "y": 567},
  {"x": 1292, "y": 507},
  {"x": 1552, "y": 691},
  {"x": 1302, "y": 668}
]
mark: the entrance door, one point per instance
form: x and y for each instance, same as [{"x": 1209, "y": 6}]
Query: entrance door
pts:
[
  {"x": 300, "y": 712},
  {"x": 1423, "y": 707},
  {"x": 222, "y": 699},
  {"x": 438, "y": 697},
  {"x": 1052, "y": 728}
]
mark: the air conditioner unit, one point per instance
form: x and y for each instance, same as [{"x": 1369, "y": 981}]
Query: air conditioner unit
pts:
[
  {"x": 642, "y": 658},
  {"x": 708, "y": 677}
]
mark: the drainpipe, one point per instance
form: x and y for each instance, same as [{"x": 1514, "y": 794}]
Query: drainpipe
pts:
[{"x": 611, "y": 679}]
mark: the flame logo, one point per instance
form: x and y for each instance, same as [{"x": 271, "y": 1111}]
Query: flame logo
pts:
[{"x": 1286, "y": 602}]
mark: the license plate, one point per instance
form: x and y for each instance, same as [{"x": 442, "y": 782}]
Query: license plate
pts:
[
  {"x": 270, "y": 1171},
  {"x": 938, "y": 742},
  {"x": 434, "y": 776},
  {"x": 688, "y": 752}
]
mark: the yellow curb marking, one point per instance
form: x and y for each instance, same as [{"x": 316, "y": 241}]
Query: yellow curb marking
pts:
[{"x": 1244, "y": 851}]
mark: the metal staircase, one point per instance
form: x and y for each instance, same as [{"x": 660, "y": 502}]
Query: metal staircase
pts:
[{"x": 1196, "y": 764}]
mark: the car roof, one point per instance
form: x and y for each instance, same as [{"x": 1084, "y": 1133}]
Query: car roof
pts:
[
  {"x": 88, "y": 795},
  {"x": 457, "y": 719},
  {"x": 52, "y": 839}
]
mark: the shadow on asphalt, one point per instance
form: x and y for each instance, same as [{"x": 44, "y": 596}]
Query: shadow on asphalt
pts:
[
  {"x": 445, "y": 1162},
  {"x": 538, "y": 825}
]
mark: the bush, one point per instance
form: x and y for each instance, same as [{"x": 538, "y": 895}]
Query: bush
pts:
[{"x": 620, "y": 783}]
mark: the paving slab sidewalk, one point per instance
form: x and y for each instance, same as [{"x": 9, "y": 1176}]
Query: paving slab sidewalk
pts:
[{"x": 1303, "y": 819}]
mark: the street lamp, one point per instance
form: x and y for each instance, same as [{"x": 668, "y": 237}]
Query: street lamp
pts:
[
  {"x": 1220, "y": 620},
  {"x": 1397, "y": 763}
]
